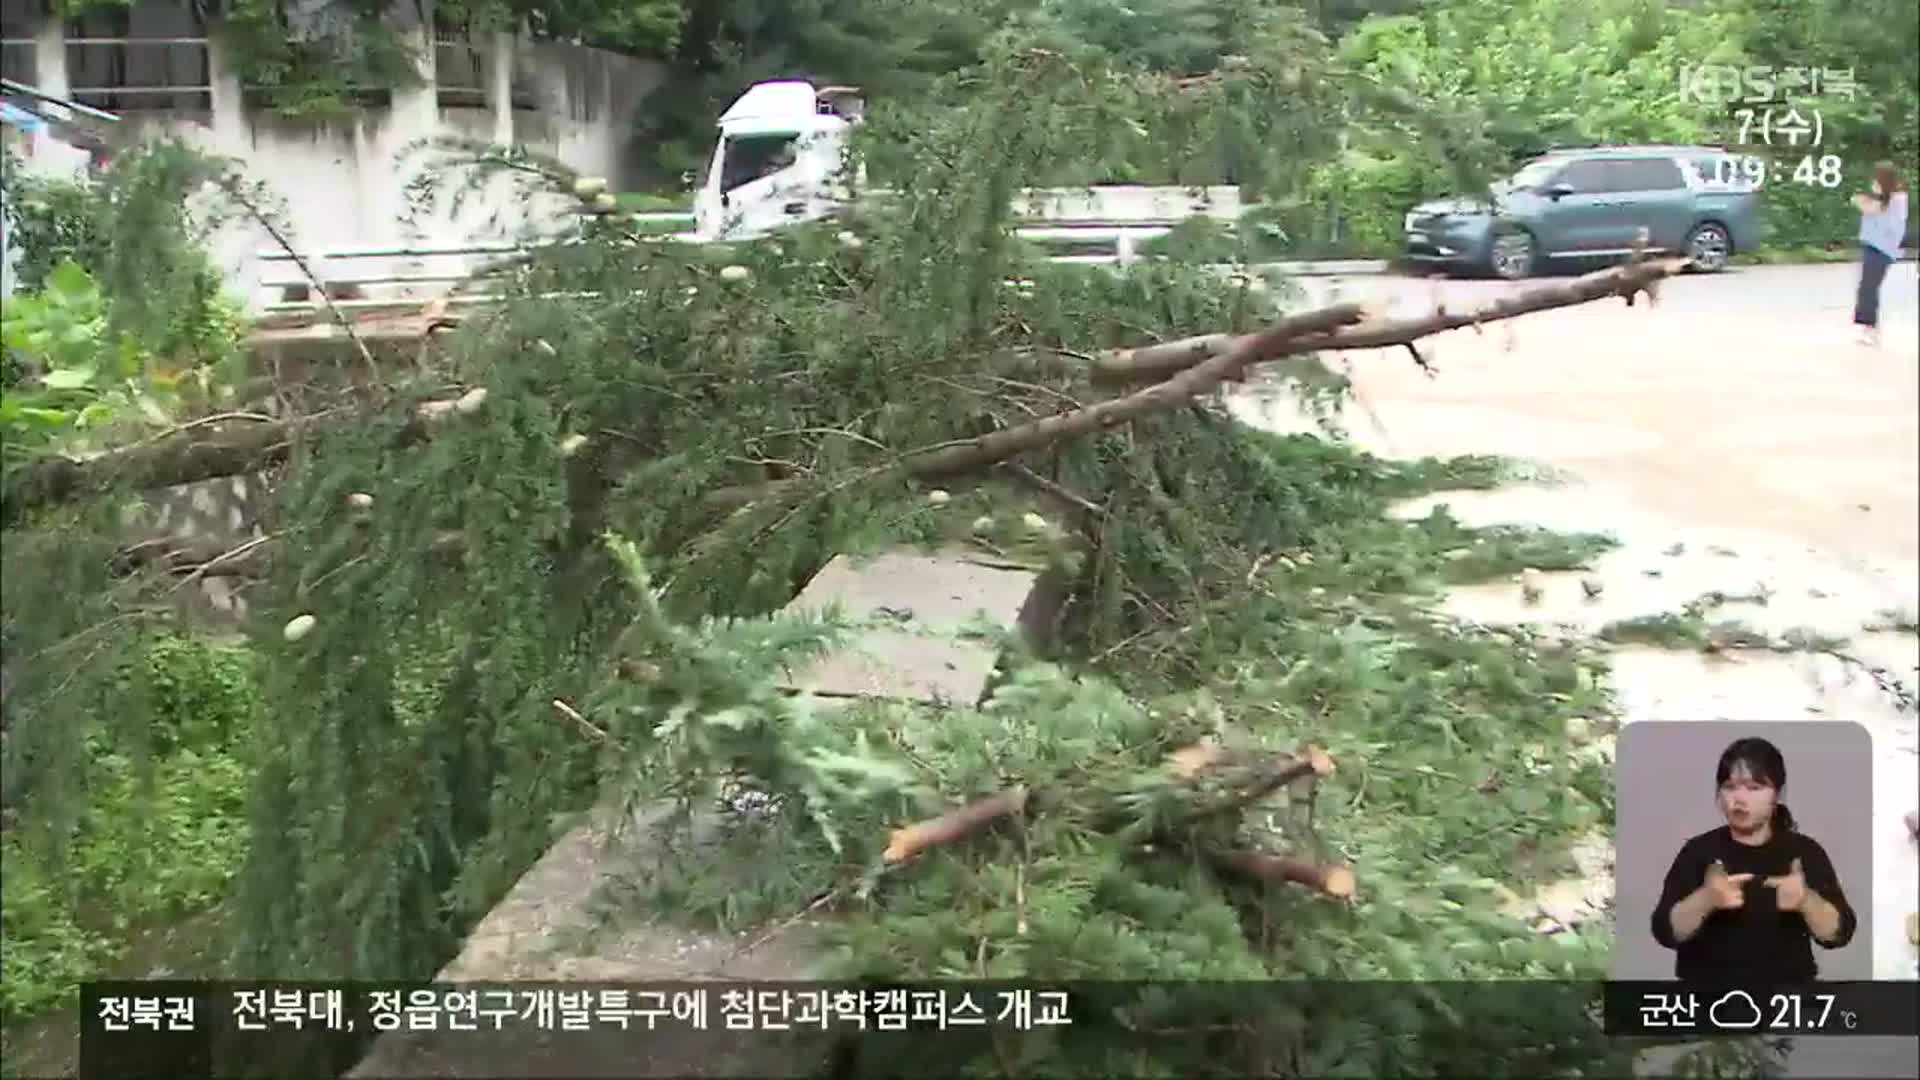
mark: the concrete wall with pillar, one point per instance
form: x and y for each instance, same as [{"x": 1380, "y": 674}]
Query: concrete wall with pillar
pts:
[{"x": 344, "y": 182}]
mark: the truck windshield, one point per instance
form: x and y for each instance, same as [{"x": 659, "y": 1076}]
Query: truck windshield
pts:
[{"x": 750, "y": 157}]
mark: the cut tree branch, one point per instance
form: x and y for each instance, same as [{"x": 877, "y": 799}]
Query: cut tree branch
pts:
[
  {"x": 1332, "y": 879},
  {"x": 954, "y": 825},
  {"x": 1152, "y": 363},
  {"x": 1249, "y": 776}
]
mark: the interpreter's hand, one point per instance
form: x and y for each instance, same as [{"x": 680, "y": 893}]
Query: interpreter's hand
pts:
[
  {"x": 1724, "y": 888},
  {"x": 1789, "y": 889}
]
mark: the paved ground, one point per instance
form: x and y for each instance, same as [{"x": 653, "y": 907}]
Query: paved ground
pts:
[
  {"x": 1740, "y": 400},
  {"x": 1733, "y": 436}
]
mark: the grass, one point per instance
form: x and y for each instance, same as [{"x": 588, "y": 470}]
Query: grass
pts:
[
  {"x": 162, "y": 831},
  {"x": 645, "y": 202},
  {"x": 1797, "y": 254}
]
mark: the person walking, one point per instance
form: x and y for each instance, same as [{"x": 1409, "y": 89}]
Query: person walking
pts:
[{"x": 1883, "y": 224}]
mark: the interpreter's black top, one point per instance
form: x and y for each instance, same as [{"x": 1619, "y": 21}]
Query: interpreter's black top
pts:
[{"x": 1757, "y": 942}]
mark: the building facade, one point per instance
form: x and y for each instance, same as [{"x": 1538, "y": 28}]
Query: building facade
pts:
[{"x": 342, "y": 181}]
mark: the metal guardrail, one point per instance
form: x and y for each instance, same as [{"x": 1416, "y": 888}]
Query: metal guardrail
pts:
[{"x": 356, "y": 269}]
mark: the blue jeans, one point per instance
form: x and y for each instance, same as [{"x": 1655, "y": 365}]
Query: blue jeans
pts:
[{"x": 1873, "y": 271}]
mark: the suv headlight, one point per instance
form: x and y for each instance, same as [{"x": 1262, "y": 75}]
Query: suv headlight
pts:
[{"x": 1408, "y": 226}]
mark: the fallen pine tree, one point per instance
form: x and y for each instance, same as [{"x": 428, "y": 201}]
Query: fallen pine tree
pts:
[
  {"x": 1180, "y": 372},
  {"x": 440, "y": 577}
]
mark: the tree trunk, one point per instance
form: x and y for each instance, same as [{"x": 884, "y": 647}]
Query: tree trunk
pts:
[
  {"x": 1195, "y": 381},
  {"x": 191, "y": 455},
  {"x": 180, "y": 459},
  {"x": 1153, "y": 363}
]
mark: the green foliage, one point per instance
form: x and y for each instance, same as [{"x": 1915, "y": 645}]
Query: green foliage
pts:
[
  {"x": 328, "y": 60},
  {"x": 326, "y": 65},
  {"x": 1666, "y": 630},
  {"x": 1440, "y": 800},
  {"x": 890, "y": 48},
  {"x": 124, "y": 768},
  {"x": 141, "y": 228},
  {"x": 48, "y": 953},
  {"x": 1725, "y": 1059},
  {"x": 405, "y": 767},
  {"x": 1432, "y": 103},
  {"x": 90, "y": 386},
  {"x": 124, "y": 324},
  {"x": 1205, "y": 239},
  {"x": 1415, "y": 104},
  {"x": 51, "y": 221},
  {"x": 1454, "y": 97},
  {"x": 162, "y": 829},
  {"x": 643, "y": 27},
  {"x": 1238, "y": 582},
  {"x": 638, "y": 202},
  {"x": 457, "y": 775}
]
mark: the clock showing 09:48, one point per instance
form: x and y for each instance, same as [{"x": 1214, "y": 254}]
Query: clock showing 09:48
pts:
[{"x": 1826, "y": 171}]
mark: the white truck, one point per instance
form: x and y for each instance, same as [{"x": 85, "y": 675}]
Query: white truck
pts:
[{"x": 781, "y": 159}]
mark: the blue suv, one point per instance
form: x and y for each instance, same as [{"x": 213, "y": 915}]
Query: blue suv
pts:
[{"x": 1591, "y": 204}]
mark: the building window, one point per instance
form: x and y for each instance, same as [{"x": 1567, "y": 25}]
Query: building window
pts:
[
  {"x": 459, "y": 73},
  {"x": 16, "y": 49},
  {"x": 524, "y": 85},
  {"x": 144, "y": 58}
]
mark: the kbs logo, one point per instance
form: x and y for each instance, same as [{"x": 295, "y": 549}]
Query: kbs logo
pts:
[{"x": 1725, "y": 84}]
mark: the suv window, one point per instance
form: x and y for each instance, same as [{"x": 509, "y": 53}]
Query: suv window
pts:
[
  {"x": 1589, "y": 177},
  {"x": 1707, "y": 167},
  {"x": 1647, "y": 174},
  {"x": 1725, "y": 170}
]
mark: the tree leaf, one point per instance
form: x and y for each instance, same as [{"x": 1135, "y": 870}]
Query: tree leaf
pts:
[
  {"x": 70, "y": 282},
  {"x": 46, "y": 417},
  {"x": 76, "y": 335},
  {"x": 75, "y": 378}
]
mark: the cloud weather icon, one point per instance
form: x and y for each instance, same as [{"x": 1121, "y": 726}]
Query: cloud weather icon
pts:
[{"x": 1715, "y": 1016}]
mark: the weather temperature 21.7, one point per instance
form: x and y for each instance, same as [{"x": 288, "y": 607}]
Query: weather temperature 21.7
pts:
[
  {"x": 1810, "y": 171},
  {"x": 1808, "y": 1012},
  {"x": 1778, "y": 1012},
  {"x": 1838, "y": 1007}
]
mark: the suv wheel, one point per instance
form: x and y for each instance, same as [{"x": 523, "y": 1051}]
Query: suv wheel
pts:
[
  {"x": 1512, "y": 256},
  {"x": 1708, "y": 247}
]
